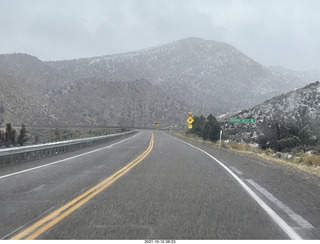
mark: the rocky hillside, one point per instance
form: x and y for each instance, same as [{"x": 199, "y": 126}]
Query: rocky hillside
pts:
[
  {"x": 31, "y": 72},
  {"x": 38, "y": 95},
  {"x": 208, "y": 76},
  {"x": 137, "y": 103},
  {"x": 300, "y": 102},
  {"x": 137, "y": 88},
  {"x": 21, "y": 104},
  {"x": 296, "y": 113}
]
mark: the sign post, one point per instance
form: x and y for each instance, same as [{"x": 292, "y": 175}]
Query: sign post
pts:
[
  {"x": 220, "y": 138},
  {"x": 190, "y": 120}
]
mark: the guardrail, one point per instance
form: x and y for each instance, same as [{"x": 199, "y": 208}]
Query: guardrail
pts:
[{"x": 25, "y": 153}]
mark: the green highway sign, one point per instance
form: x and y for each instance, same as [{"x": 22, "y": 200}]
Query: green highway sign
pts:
[{"x": 242, "y": 120}]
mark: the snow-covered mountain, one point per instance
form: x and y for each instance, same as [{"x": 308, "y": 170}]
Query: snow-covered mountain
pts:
[
  {"x": 36, "y": 94},
  {"x": 208, "y": 76},
  {"x": 157, "y": 83},
  {"x": 305, "y": 101},
  {"x": 300, "y": 107}
]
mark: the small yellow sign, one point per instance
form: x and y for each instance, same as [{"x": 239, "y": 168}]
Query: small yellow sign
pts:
[
  {"x": 157, "y": 123},
  {"x": 190, "y": 126},
  {"x": 190, "y": 120}
]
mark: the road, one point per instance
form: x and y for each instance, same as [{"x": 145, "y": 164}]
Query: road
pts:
[{"x": 154, "y": 185}]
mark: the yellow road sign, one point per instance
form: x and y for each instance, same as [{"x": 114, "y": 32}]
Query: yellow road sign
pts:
[
  {"x": 190, "y": 120},
  {"x": 190, "y": 126},
  {"x": 157, "y": 123}
]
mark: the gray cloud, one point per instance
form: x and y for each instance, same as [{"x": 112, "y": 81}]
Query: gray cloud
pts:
[{"x": 272, "y": 32}]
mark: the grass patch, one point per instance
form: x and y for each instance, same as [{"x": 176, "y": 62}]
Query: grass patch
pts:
[
  {"x": 241, "y": 147},
  {"x": 308, "y": 159},
  {"x": 302, "y": 161}
]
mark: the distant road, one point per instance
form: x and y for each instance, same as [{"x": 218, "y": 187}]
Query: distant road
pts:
[{"x": 155, "y": 186}]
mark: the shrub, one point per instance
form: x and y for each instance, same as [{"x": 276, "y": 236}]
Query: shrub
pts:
[
  {"x": 311, "y": 159},
  {"x": 206, "y": 128},
  {"x": 268, "y": 151},
  {"x": 308, "y": 159}
]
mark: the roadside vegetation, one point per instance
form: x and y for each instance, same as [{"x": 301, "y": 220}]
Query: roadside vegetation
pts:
[
  {"x": 206, "y": 128},
  {"x": 299, "y": 133},
  {"x": 8, "y": 137},
  {"x": 301, "y": 158},
  {"x": 292, "y": 142}
]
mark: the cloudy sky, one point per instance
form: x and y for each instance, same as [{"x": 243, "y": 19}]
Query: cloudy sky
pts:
[{"x": 273, "y": 32}]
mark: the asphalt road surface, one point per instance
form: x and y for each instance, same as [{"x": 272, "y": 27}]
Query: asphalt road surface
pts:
[{"x": 153, "y": 185}]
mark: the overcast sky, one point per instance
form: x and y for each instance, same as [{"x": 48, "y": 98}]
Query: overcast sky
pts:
[{"x": 272, "y": 32}]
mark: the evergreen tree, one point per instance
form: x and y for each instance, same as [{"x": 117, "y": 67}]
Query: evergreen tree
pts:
[
  {"x": 205, "y": 131},
  {"x": 22, "y": 138},
  {"x": 214, "y": 128},
  {"x": 300, "y": 131},
  {"x": 198, "y": 124},
  {"x": 10, "y": 135},
  {"x": 2, "y": 138},
  {"x": 206, "y": 128}
]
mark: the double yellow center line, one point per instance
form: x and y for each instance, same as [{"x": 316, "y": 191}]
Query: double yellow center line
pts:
[{"x": 50, "y": 220}]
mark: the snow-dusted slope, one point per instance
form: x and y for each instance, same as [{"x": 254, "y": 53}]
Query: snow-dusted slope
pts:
[
  {"x": 191, "y": 74},
  {"x": 22, "y": 104},
  {"x": 208, "y": 76},
  {"x": 305, "y": 100},
  {"x": 30, "y": 71},
  {"x": 299, "y": 105}
]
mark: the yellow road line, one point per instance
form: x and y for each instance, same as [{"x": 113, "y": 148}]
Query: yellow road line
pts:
[{"x": 47, "y": 222}]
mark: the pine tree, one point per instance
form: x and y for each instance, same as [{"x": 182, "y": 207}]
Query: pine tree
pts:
[
  {"x": 22, "y": 138},
  {"x": 198, "y": 124},
  {"x": 2, "y": 138},
  {"x": 10, "y": 135},
  {"x": 206, "y": 128},
  {"x": 214, "y": 128}
]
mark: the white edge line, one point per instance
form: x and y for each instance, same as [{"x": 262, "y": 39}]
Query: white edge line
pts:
[
  {"x": 60, "y": 161},
  {"x": 279, "y": 221},
  {"x": 297, "y": 218},
  {"x": 236, "y": 170}
]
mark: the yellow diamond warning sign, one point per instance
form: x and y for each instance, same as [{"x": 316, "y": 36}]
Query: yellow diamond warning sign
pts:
[{"x": 190, "y": 120}]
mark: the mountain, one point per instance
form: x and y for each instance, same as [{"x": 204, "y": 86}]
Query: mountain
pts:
[
  {"x": 21, "y": 104},
  {"x": 30, "y": 71},
  {"x": 25, "y": 80},
  {"x": 305, "y": 101},
  {"x": 295, "y": 77},
  {"x": 294, "y": 115},
  {"x": 134, "y": 104},
  {"x": 137, "y": 88},
  {"x": 208, "y": 76},
  {"x": 38, "y": 95}
]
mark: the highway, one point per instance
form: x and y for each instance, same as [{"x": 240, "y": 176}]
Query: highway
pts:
[{"x": 154, "y": 185}]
